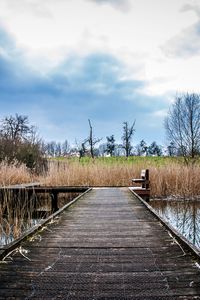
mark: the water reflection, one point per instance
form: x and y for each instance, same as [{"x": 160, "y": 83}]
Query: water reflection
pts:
[
  {"x": 182, "y": 215},
  {"x": 19, "y": 212}
]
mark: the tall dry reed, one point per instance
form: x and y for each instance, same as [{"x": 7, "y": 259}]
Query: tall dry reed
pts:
[
  {"x": 175, "y": 180},
  {"x": 14, "y": 173},
  {"x": 94, "y": 173},
  {"x": 169, "y": 179}
]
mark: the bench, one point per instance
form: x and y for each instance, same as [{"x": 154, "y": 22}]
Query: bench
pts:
[{"x": 144, "y": 189}]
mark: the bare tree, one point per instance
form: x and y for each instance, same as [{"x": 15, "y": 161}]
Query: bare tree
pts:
[
  {"x": 127, "y": 137},
  {"x": 183, "y": 125},
  {"x": 65, "y": 147},
  {"x": 17, "y": 128},
  {"x": 92, "y": 141}
]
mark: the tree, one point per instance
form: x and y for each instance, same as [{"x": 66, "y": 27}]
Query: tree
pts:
[
  {"x": 110, "y": 144},
  {"x": 127, "y": 137},
  {"x": 82, "y": 149},
  {"x": 171, "y": 149},
  {"x": 183, "y": 124},
  {"x": 92, "y": 141},
  {"x": 65, "y": 147},
  {"x": 154, "y": 149},
  {"x": 16, "y": 128},
  {"x": 19, "y": 141},
  {"x": 51, "y": 148},
  {"x": 141, "y": 148}
]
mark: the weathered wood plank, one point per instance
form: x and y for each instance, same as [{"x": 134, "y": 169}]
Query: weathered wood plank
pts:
[{"x": 106, "y": 246}]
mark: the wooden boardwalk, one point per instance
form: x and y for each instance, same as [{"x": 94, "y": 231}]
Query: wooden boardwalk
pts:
[{"x": 106, "y": 246}]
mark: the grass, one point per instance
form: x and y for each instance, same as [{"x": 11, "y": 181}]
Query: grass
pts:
[
  {"x": 14, "y": 173},
  {"x": 168, "y": 176}
]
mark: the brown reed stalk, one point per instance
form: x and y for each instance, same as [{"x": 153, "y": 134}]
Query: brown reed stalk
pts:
[
  {"x": 14, "y": 173},
  {"x": 172, "y": 179}
]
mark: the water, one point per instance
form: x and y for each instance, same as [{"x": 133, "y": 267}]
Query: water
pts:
[
  {"x": 184, "y": 216},
  {"x": 18, "y": 214}
]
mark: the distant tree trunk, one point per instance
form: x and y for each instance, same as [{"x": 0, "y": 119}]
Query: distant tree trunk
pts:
[
  {"x": 127, "y": 137},
  {"x": 92, "y": 140}
]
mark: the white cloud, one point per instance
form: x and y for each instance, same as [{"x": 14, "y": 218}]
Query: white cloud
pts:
[
  {"x": 123, "y": 5},
  {"x": 192, "y": 5},
  {"x": 48, "y": 31},
  {"x": 185, "y": 44},
  {"x": 24, "y": 7}
]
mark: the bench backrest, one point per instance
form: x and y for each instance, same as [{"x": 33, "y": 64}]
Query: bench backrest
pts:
[{"x": 145, "y": 175}]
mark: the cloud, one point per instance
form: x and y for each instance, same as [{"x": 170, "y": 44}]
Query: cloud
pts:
[
  {"x": 123, "y": 5},
  {"x": 191, "y": 7},
  {"x": 185, "y": 44},
  {"x": 97, "y": 73},
  {"x": 31, "y": 7},
  {"x": 59, "y": 103}
]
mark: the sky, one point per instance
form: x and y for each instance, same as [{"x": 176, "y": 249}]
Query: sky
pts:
[{"x": 63, "y": 62}]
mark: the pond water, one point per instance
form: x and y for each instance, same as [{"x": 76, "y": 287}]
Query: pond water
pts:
[
  {"x": 184, "y": 216},
  {"x": 18, "y": 214}
]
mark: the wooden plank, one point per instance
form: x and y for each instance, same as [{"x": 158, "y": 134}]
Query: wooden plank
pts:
[
  {"x": 105, "y": 246},
  {"x": 21, "y": 186},
  {"x": 46, "y": 189}
]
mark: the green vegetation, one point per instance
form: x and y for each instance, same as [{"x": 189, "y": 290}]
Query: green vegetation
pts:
[{"x": 151, "y": 161}]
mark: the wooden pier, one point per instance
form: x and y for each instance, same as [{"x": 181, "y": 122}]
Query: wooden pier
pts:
[{"x": 107, "y": 245}]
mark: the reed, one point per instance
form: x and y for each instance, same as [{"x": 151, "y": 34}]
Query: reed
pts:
[
  {"x": 175, "y": 180},
  {"x": 167, "y": 177},
  {"x": 14, "y": 173}
]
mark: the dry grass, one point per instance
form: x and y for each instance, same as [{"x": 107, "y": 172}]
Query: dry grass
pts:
[
  {"x": 14, "y": 174},
  {"x": 167, "y": 179},
  {"x": 91, "y": 174},
  {"x": 175, "y": 180}
]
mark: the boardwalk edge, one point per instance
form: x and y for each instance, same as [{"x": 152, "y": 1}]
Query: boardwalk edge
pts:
[
  {"x": 180, "y": 239},
  {"x": 7, "y": 249}
]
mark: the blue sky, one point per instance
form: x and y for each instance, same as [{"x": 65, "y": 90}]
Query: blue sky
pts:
[{"x": 64, "y": 61}]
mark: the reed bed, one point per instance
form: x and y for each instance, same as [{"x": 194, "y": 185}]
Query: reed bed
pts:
[
  {"x": 167, "y": 177},
  {"x": 175, "y": 180},
  {"x": 14, "y": 173}
]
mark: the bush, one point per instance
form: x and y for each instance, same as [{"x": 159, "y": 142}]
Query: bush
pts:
[{"x": 19, "y": 142}]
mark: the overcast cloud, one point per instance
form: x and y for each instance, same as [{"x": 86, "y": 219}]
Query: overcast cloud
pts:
[
  {"x": 62, "y": 62},
  {"x": 123, "y": 5}
]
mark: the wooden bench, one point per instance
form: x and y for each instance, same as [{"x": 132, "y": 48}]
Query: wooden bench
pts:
[{"x": 144, "y": 189}]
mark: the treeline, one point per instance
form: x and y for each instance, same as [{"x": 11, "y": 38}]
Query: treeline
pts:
[
  {"x": 19, "y": 140},
  {"x": 90, "y": 146},
  {"x": 57, "y": 149}
]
